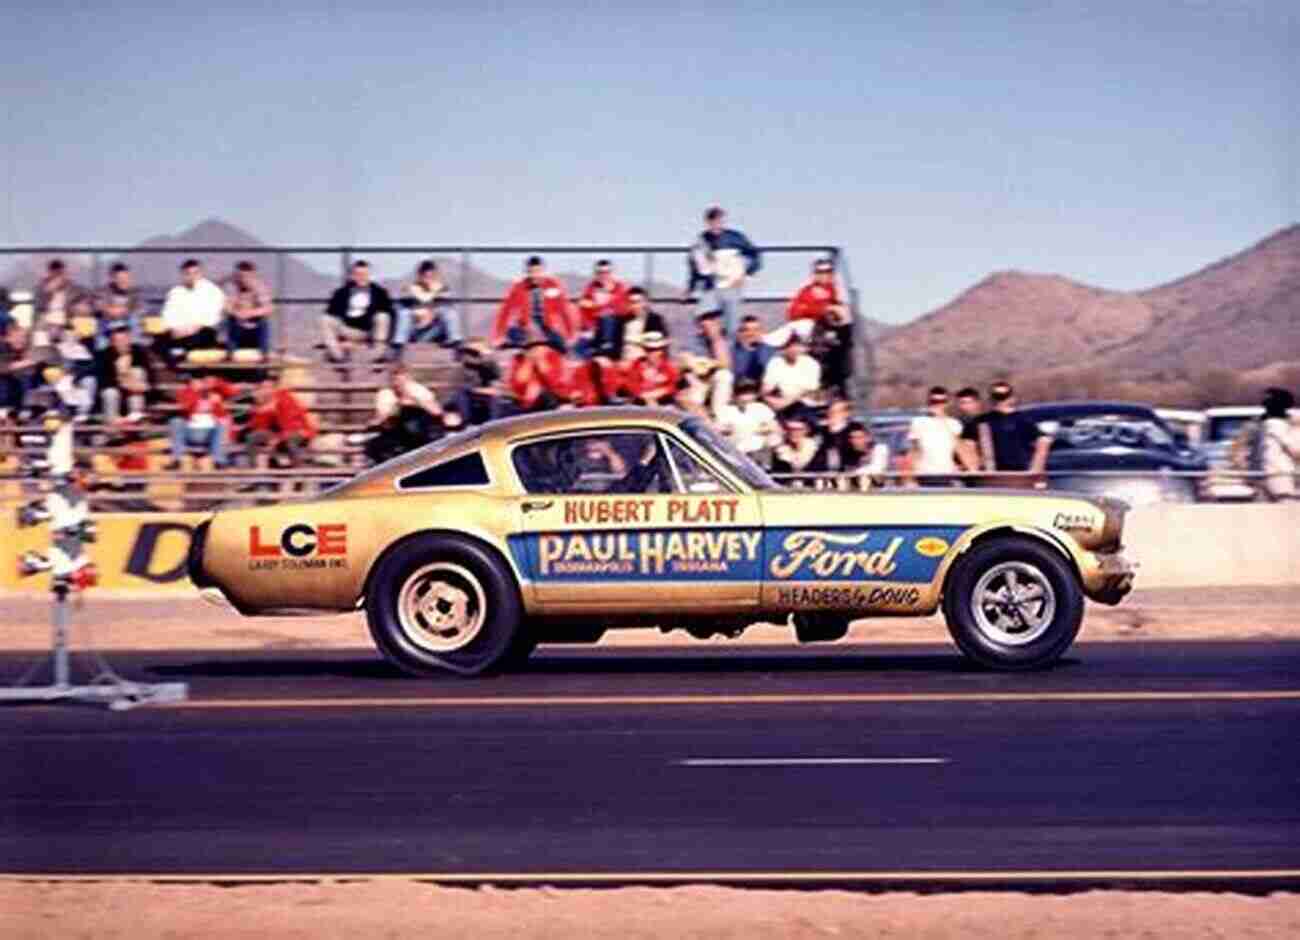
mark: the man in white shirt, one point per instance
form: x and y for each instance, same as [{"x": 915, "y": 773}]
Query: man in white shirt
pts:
[
  {"x": 933, "y": 438},
  {"x": 1279, "y": 445},
  {"x": 792, "y": 378},
  {"x": 191, "y": 313},
  {"x": 749, "y": 423}
]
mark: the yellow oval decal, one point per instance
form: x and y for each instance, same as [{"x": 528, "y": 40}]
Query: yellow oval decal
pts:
[{"x": 931, "y": 547}]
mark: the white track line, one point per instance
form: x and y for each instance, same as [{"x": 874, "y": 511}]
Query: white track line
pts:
[{"x": 805, "y": 761}]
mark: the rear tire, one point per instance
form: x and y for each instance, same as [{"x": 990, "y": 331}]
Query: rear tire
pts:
[
  {"x": 440, "y": 604},
  {"x": 1013, "y": 603}
]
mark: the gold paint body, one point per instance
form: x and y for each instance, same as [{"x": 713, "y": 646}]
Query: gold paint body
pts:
[{"x": 374, "y": 515}]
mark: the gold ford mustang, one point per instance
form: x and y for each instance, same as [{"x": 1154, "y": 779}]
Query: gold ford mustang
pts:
[{"x": 555, "y": 527}]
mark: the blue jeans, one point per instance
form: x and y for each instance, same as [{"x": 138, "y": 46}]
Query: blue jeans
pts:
[
  {"x": 445, "y": 328},
  {"x": 728, "y": 300},
  {"x": 212, "y": 440},
  {"x": 240, "y": 332},
  {"x": 516, "y": 336}
]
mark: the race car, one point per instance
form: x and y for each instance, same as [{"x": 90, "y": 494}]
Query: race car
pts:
[{"x": 554, "y": 527}]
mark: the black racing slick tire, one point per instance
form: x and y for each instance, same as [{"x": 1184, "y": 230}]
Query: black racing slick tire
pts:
[
  {"x": 1013, "y": 603},
  {"x": 441, "y": 604}
]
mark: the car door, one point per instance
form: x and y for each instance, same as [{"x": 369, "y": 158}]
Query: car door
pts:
[{"x": 629, "y": 520}]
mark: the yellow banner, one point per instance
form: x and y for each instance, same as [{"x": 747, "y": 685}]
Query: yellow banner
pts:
[{"x": 142, "y": 552}]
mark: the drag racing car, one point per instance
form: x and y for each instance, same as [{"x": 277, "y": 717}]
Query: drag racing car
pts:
[{"x": 555, "y": 527}]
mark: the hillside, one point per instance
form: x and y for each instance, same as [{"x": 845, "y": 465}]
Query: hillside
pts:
[{"x": 1239, "y": 313}]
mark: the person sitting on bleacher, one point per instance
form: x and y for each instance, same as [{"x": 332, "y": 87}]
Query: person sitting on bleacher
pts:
[
  {"x": 248, "y": 311},
  {"x": 118, "y": 301},
  {"x": 824, "y": 322},
  {"x": 19, "y": 367},
  {"x": 652, "y": 379},
  {"x": 537, "y": 306},
  {"x": 361, "y": 311},
  {"x": 423, "y": 316},
  {"x": 539, "y": 377},
  {"x": 604, "y": 296},
  {"x": 54, "y": 297},
  {"x": 191, "y": 314},
  {"x": 480, "y": 396},
  {"x": 125, "y": 375},
  {"x": 407, "y": 415},
  {"x": 280, "y": 428},
  {"x": 618, "y": 341},
  {"x": 203, "y": 420}
]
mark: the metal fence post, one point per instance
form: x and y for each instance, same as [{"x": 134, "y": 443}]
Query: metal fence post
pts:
[{"x": 281, "y": 328}]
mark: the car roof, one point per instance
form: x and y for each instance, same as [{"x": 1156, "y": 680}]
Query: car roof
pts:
[
  {"x": 1234, "y": 411},
  {"x": 1074, "y": 409},
  {"x": 578, "y": 419}
]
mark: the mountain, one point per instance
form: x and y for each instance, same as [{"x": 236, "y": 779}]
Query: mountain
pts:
[{"x": 1242, "y": 312}]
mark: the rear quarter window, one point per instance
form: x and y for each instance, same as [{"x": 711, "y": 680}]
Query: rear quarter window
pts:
[{"x": 468, "y": 470}]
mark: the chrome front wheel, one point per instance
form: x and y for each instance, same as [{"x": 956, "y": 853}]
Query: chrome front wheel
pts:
[{"x": 1013, "y": 603}]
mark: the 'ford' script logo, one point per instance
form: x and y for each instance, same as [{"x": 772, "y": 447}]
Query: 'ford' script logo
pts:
[{"x": 828, "y": 556}]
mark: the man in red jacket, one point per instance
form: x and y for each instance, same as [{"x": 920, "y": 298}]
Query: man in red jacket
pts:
[
  {"x": 539, "y": 377},
  {"x": 604, "y": 296},
  {"x": 536, "y": 307},
  {"x": 652, "y": 379},
  {"x": 279, "y": 428},
  {"x": 823, "y": 321},
  {"x": 819, "y": 296},
  {"x": 202, "y": 419}
]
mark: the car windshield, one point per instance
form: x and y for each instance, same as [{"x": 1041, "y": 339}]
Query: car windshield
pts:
[
  {"x": 714, "y": 443},
  {"x": 1097, "y": 431}
]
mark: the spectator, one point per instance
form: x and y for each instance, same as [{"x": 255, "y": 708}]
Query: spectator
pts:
[
  {"x": 125, "y": 375},
  {"x": 969, "y": 406},
  {"x": 536, "y": 307},
  {"x": 834, "y": 427},
  {"x": 202, "y": 420},
  {"x": 191, "y": 314},
  {"x": 750, "y": 354},
  {"x": 604, "y": 296},
  {"x": 819, "y": 297},
  {"x": 718, "y": 263},
  {"x": 618, "y": 342},
  {"x": 864, "y": 456},
  {"x": 749, "y": 423},
  {"x": 933, "y": 441},
  {"x": 1001, "y": 441},
  {"x": 1279, "y": 445},
  {"x": 407, "y": 416},
  {"x": 480, "y": 396},
  {"x": 5, "y": 319},
  {"x": 791, "y": 379},
  {"x": 248, "y": 311},
  {"x": 19, "y": 367},
  {"x": 799, "y": 451},
  {"x": 359, "y": 310},
  {"x": 78, "y": 383},
  {"x": 119, "y": 300},
  {"x": 54, "y": 297},
  {"x": 539, "y": 376},
  {"x": 115, "y": 313},
  {"x": 652, "y": 379},
  {"x": 423, "y": 315},
  {"x": 280, "y": 428}
]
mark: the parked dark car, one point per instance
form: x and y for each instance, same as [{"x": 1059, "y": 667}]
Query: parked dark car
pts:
[{"x": 1115, "y": 437}]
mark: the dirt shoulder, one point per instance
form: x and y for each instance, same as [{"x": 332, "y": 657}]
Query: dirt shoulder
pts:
[
  {"x": 1224, "y": 613},
  {"x": 398, "y": 908}
]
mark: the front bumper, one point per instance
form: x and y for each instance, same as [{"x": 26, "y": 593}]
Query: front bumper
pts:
[{"x": 1108, "y": 577}]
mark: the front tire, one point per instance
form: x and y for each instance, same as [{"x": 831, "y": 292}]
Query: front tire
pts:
[
  {"x": 1013, "y": 603},
  {"x": 440, "y": 604}
]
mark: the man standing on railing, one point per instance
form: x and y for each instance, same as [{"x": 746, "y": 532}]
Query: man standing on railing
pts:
[
  {"x": 361, "y": 311},
  {"x": 537, "y": 306},
  {"x": 191, "y": 313},
  {"x": 717, "y": 264},
  {"x": 1001, "y": 441}
]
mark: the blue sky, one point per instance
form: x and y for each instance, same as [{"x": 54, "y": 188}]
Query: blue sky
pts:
[{"x": 1122, "y": 144}]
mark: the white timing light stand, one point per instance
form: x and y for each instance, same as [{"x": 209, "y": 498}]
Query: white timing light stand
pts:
[{"x": 64, "y": 509}]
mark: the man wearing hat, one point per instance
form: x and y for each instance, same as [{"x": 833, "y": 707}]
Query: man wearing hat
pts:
[
  {"x": 125, "y": 374},
  {"x": 652, "y": 379},
  {"x": 536, "y": 307}
]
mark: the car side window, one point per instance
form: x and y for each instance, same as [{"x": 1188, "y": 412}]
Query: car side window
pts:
[
  {"x": 695, "y": 477},
  {"x": 613, "y": 462}
]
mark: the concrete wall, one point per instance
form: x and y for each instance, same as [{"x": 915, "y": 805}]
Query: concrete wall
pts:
[{"x": 1198, "y": 545}]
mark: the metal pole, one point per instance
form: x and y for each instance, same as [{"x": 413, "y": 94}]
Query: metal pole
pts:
[
  {"x": 62, "y": 670},
  {"x": 649, "y": 270},
  {"x": 464, "y": 289},
  {"x": 281, "y": 328}
]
